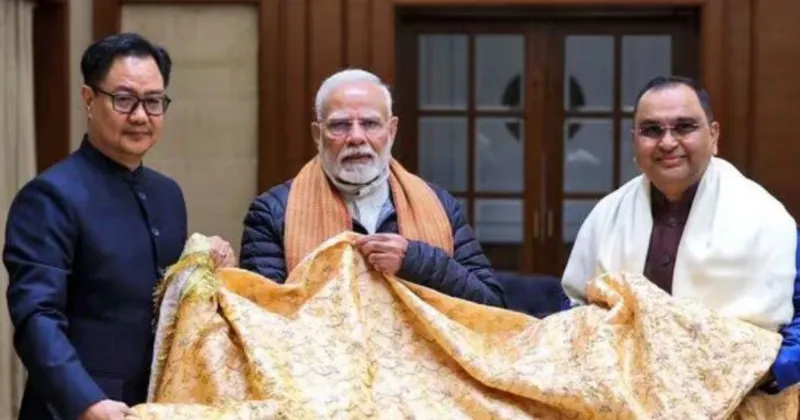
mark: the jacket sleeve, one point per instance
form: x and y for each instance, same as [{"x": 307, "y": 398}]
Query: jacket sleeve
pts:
[
  {"x": 786, "y": 368},
  {"x": 467, "y": 274},
  {"x": 262, "y": 242},
  {"x": 40, "y": 246}
]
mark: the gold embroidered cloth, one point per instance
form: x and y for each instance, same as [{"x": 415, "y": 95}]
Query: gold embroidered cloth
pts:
[{"x": 339, "y": 342}]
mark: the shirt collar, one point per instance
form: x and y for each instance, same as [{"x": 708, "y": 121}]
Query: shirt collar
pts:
[{"x": 108, "y": 165}]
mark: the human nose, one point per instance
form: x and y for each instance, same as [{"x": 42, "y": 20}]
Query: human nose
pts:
[
  {"x": 357, "y": 134},
  {"x": 668, "y": 140},
  {"x": 138, "y": 113}
]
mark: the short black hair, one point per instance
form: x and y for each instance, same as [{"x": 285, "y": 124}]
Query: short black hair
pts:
[
  {"x": 98, "y": 57},
  {"x": 662, "y": 82}
]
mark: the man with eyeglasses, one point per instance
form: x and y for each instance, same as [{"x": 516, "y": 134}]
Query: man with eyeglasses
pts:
[
  {"x": 411, "y": 228},
  {"x": 87, "y": 240},
  {"x": 694, "y": 225}
]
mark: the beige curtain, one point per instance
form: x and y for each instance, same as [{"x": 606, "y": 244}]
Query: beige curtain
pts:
[{"x": 17, "y": 164}]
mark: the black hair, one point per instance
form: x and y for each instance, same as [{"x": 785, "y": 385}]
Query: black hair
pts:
[
  {"x": 662, "y": 82},
  {"x": 98, "y": 57}
]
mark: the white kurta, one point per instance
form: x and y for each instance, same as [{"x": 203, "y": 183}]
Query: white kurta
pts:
[{"x": 736, "y": 254}]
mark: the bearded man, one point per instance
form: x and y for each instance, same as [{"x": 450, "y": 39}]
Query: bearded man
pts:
[{"x": 412, "y": 229}]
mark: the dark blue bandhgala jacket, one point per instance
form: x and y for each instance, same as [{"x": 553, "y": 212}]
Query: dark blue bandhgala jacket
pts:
[{"x": 86, "y": 242}]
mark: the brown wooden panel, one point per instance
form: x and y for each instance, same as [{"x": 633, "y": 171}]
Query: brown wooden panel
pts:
[
  {"x": 735, "y": 138},
  {"x": 270, "y": 164},
  {"x": 295, "y": 94},
  {"x": 776, "y": 56},
  {"x": 326, "y": 44},
  {"x": 549, "y": 2},
  {"x": 712, "y": 44},
  {"x": 194, "y": 1},
  {"x": 106, "y": 18},
  {"x": 51, "y": 82},
  {"x": 383, "y": 40},
  {"x": 357, "y": 29}
]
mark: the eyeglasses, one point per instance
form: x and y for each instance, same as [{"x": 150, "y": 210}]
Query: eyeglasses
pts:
[
  {"x": 343, "y": 127},
  {"x": 657, "y": 131},
  {"x": 126, "y": 103}
]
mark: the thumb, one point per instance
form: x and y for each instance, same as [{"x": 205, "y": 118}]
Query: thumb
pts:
[{"x": 122, "y": 407}]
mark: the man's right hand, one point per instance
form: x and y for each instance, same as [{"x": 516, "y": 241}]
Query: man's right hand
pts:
[{"x": 106, "y": 410}]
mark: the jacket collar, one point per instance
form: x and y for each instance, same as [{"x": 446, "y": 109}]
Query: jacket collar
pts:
[{"x": 108, "y": 165}]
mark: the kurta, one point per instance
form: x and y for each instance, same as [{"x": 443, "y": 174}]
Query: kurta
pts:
[{"x": 86, "y": 242}]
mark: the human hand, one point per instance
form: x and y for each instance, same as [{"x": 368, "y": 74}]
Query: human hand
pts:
[
  {"x": 222, "y": 253},
  {"x": 383, "y": 251},
  {"x": 106, "y": 410}
]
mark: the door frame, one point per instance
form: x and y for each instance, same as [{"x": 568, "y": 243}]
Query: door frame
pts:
[{"x": 713, "y": 46}]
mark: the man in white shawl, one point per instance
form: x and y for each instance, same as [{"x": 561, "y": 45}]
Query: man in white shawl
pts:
[{"x": 692, "y": 223}]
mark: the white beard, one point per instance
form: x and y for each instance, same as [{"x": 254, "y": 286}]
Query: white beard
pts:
[{"x": 358, "y": 174}]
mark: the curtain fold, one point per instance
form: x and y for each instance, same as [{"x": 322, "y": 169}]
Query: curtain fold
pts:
[{"x": 17, "y": 164}]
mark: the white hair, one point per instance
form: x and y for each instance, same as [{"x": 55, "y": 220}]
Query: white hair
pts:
[{"x": 344, "y": 77}]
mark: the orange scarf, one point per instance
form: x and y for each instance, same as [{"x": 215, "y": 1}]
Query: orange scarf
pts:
[{"x": 315, "y": 212}]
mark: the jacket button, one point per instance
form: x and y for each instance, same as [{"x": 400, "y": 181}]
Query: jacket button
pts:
[
  {"x": 142, "y": 196},
  {"x": 155, "y": 232}
]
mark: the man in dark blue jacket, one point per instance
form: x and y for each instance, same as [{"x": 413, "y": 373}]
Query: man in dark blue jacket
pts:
[
  {"x": 87, "y": 240},
  {"x": 354, "y": 131}
]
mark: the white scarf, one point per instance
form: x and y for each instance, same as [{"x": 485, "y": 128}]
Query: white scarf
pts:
[{"x": 736, "y": 254}]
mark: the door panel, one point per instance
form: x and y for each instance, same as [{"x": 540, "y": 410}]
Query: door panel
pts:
[
  {"x": 602, "y": 70},
  {"x": 528, "y": 123}
]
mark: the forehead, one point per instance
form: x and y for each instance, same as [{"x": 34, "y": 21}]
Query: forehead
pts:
[
  {"x": 669, "y": 103},
  {"x": 355, "y": 99},
  {"x": 139, "y": 74}
]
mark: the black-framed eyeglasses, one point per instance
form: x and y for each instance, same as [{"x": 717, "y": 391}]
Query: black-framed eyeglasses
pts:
[
  {"x": 126, "y": 103},
  {"x": 657, "y": 131}
]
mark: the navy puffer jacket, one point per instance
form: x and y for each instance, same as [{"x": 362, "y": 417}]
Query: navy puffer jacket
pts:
[{"x": 466, "y": 275}]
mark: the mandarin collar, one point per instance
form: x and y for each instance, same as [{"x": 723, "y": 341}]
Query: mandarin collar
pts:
[
  {"x": 108, "y": 165},
  {"x": 660, "y": 202}
]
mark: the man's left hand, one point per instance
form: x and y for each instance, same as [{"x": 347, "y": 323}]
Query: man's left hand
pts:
[
  {"x": 222, "y": 253},
  {"x": 383, "y": 251}
]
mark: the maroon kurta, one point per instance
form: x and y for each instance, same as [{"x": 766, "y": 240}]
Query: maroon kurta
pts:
[{"x": 669, "y": 219}]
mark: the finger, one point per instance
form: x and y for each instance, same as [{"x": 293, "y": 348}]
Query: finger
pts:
[
  {"x": 361, "y": 240},
  {"x": 121, "y": 406},
  {"x": 383, "y": 237},
  {"x": 382, "y": 247},
  {"x": 382, "y": 259}
]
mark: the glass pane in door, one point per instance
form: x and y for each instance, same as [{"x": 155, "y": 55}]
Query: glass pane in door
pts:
[
  {"x": 628, "y": 169},
  {"x": 498, "y": 220},
  {"x": 499, "y": 61},
  {"x": 499, "y": 228},
  {"x": 443, "y": 71},
  {"x": 589, "y": 73},
  {"x": 643, "y": 58},
  {"x": 499, "y": 154},
  {"x": 574, "y": 213},
  {"x": 588, "y": 155},
  {"x": 442, "y": 147}
]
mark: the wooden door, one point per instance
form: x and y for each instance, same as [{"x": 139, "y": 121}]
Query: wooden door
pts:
[
  {"x": 465, "y": 101},
  {"x": 594, "y": 74},
  {"x": 527, "y": 120}
]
